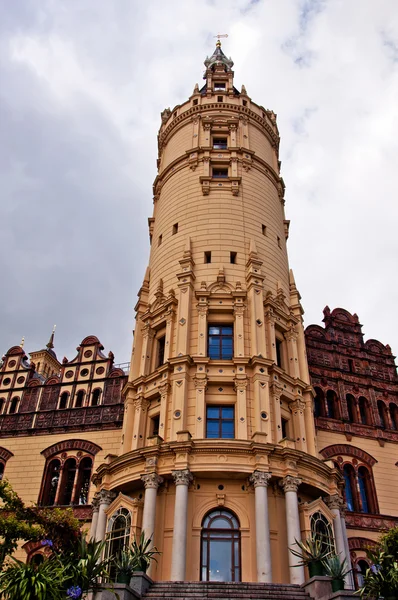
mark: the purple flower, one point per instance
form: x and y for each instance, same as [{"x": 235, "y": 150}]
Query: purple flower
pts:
[
  {"x": 74, "y": 592},
  {"x": 48, "y": 543}
]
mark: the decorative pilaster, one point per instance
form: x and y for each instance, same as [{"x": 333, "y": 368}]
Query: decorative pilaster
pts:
[
  {"x": 203, "y": 310},
  {"x": 147, "y": 342},
  {"x": 260, "y": 480},
  {"x": 182, "y": 479},
  {"x": 276, "y": 391},
  {"x": 94, "y": 519},
  {"x": 240, "y": 386},
  {"x": 239, "y": 340},
  {"x": 297, "y": 409},
  {"x": 164, "y": 390},
  {"x": 255, "y": 295},
  {"x": 270, "y": 325},
  {"x": 290, "y": 486},
  {"x": 291, "y": 341},
  {"x": 200, "y": 388},
  {"x": 170, "y": 315},
  {"x": 105, "y": 498},
  {"x": 141, "y": 406}
]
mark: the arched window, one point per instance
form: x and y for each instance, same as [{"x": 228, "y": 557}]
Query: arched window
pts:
[
  {"x": 364, "y": 411},
  {"x": 352, "y": 413},
  {"x": 332, "y": 404},
  {"x": 51, "y": 483},
  {"x": 63, "y": 402},
  {"x": 365, "y": 490},
  {"x": 1, "y": 470},
  {"x": 83, "y": 481},
  {"x": 319, "y": 403},
  {"x": 95, "y": 397},
  {"x": 2, "y": 404},
  {"x": 13, "y": 406},
  {"x": 66, "y": 481},
  {"x": 220, "y": 547},
  {"x": 393, "y": 416},
  {"x": 79, "y": 399},
  {"x": 118, "y": 532},
  {"x": 383, "y": 416},
  {"x": 359, "y": 573},
  {"x": 37, "y": 559},
  {"x": 350, "y": 487},
  {"x": 322, "y": 529}
]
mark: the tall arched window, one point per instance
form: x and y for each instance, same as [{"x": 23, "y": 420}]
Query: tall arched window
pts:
[
  {"x": 365, "y": 490},
  {"x": 83, "y": 481},
  {"x": 2, "y": 404},
  {"x": 14, "y": 406},
  {"x": 364, "y": 411},
  {"x": 118, "y": 532},
  {"x": 383, "y": 415},
  {"x": 95, "y": 397},
  {"x": 350, "y": 489},
  {"x": 332, "y": 404},
  {"x": 359, "y": 573},
  {"x": 63, "y": 401},
  {"x": 323, "y": 530},
  {"x": 393, "y": 416},
  {"x": 319, "y": 403},
  {"x": 66, "y": 481},
  {"x": 51, "y": 483},
  {"x": 79, "y": 399},
  {"x": 220, "y": 547},
  {"x": 1, "y": 470},
  {"x": 352, "y": 413}
]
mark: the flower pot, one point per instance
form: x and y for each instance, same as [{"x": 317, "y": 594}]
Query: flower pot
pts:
[
  {"x": 142, "y": 566},
  {"x": 123, "y": 578},
  {"x": 316, "y": 568},
  {"x": 337, "y": 585}
]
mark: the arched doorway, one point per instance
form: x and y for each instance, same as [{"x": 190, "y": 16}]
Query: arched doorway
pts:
[{"x": 220, "y": 547}]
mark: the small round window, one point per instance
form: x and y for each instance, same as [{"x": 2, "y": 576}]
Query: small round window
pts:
[{"x": 84, "y": 372}]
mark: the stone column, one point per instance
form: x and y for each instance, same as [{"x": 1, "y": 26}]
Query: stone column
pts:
[
  {"x": 151, "y": 483},
  {"x": 290, "y": 485},
  {"x": 105, "y": 497},
  {"x": 260, "y": 480},
  {"x": 334, "y": 503},
  {"x": 182, "y": 480},
  {"x": 94, "y": 518},
  {"x": 349, "y": 579}
]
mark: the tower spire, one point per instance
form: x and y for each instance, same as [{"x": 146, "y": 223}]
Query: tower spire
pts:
[{"x": 50, "y": 344}]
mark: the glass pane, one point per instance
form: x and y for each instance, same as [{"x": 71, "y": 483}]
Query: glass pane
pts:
[
  {"x": 213, "y": 429},
  {"x": 227, "y": 329},
  {"x": 213, "y": 412},
  {"x": 220, "y": 523},
  {"x": 220, "y": 568},
  {"x": 227, "y": 430},
  {"x": 226, "y": 349},
  {"x": 204, "y": 553},
  {"x": 214, "y": 330},
  {"x": 227, "y": 412},
  {"x": 362, "y": 490}
]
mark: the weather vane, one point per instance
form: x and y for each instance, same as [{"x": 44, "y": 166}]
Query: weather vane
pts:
[{"x": 221, "y": 35}]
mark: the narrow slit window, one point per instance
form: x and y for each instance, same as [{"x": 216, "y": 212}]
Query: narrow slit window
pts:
[
  {"x": 175, "y": 228},
  {"x": 264, "y": 229},
  {"x": 160, "y": 240},
  {"x": 160, "y": 351},
  {"x": 154, "y": 426},
  {"x": 232, "y": 258},
  {"x": 207, "y": 257},
  {"x": 279, "y": 241}
]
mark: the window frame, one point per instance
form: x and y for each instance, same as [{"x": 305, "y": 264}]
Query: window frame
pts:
[
  {"x": 221, "y": 337},
  {"x": 220, "y": 420}
]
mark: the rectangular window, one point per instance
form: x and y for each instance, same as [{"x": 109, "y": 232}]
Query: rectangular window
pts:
[
  {"x": 207, "y": 257},
  {"x": 244, "y": 102},
  {"x": 219, "y": 173},
  {"x": 195, "y": 102},
  {"x": 154, "y": 425},
  {"x": 284, "y": 428},
  {"x": 160, "y": 239},
  {"x": 220, "y": 422},
  {"x": 161, "y": 342},
  {"x": 220, "y": 143},
  {"x": 279, "y": 353},
  {"x": 219, "y": 98},
  {"x": 264, "y": 229},
  {"x": 221, "y": 342},
  {"x": 175, "y": 228},
  {"x": 232, "y": 258},
  {"x": 279, "y": 241},
  {"x": 219, "y": 87}
]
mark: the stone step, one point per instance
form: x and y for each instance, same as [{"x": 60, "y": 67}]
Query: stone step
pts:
[{"x": 214, "y": 590}]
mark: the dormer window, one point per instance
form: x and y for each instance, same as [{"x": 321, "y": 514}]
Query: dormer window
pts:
[{"x": 219, "y": 87}]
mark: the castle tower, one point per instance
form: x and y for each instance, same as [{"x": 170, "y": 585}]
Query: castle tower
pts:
[{"x": 218, "y": 426}]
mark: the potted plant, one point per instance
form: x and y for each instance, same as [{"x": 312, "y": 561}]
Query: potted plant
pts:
[
  {"x": 125, "y": 564},
  {"x": 337, "y": 570},
  {"x": 143, "y": 553},
  {"x": 311, "y": 552}
]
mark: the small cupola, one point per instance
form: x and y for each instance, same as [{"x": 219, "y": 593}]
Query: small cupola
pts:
[{"x": 219, "y": 75}]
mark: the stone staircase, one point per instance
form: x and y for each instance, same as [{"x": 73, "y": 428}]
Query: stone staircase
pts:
[{"x": 212, "y": 590}]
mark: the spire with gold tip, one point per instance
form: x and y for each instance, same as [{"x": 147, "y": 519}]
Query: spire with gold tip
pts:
[{"x": 218, "y": 57}]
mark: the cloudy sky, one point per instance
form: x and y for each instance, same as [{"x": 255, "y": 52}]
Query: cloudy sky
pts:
[{"x": 82, "y": 85}]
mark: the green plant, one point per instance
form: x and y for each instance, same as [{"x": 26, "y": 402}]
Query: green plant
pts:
[
  {"x": 125, "y": 562},
  {"x": 335, "y": 568},
  {"x": 32, "y": 582},
  {"x": 381, "y": 579},
  {"x": 143, "y": 553},
  {"x": 85, "y": 567},
  {"x": 310, "y": 550}
]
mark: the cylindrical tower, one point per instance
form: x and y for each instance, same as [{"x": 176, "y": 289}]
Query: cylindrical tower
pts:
[{"x": 218, "y": 407}]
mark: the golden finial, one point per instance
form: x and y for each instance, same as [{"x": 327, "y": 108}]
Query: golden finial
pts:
[
  {"x": 220, "y": 35},
  {"x": 22, "y": 342}
]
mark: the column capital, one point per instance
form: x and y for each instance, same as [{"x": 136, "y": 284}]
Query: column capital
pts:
[
  {"x": 334, "y": 502},
  {"x": 183, "y": 477},
  {"x": 106, "y": 497},
  {"x": 200, "y": 383},
  {"x": 95, "y": 502},
  {"x": 290, "y": 483},
  {"x": 260, "y": 478},
  {"x": 141, "y": 403},
  {"x": 151, "y": 480}
]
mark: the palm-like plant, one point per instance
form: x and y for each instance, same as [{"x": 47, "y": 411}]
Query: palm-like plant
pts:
[
  {"x": 32, "y": 582},
  {"x": 87, "y": 568},
  {"x": 335, "y": 568},
  {"x": 143, "y": 553},
  {"x": 382, "y": 578},
  {"x": 311, "y": 550}
]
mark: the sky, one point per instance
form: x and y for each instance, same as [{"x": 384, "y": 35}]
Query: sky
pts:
[{"x": 82, "y": 85}]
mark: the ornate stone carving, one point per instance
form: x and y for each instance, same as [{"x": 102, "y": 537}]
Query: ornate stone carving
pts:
[
  {"x": 95, "y": 502},
  {"x": 106, "y": 497},
  {"x": 183, "y": 477},
  {"x": 152, "y": 480},
  {"x": 290, "y": 483},
  {"x": 334, "y": 502},
  {"x": 260, "y": 478},
  {"x": 141, "y": 403}
]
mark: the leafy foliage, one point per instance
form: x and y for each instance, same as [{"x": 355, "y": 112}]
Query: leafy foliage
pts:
[
  {"x": 335, "y": 568},
  {"x": 143, "y": 552},
  {"x": 381, "y": 579},
  {"x": 85, "y": 567},
  {"x": 32, "y": 582},
  {"x": 311, "y": 550}
]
